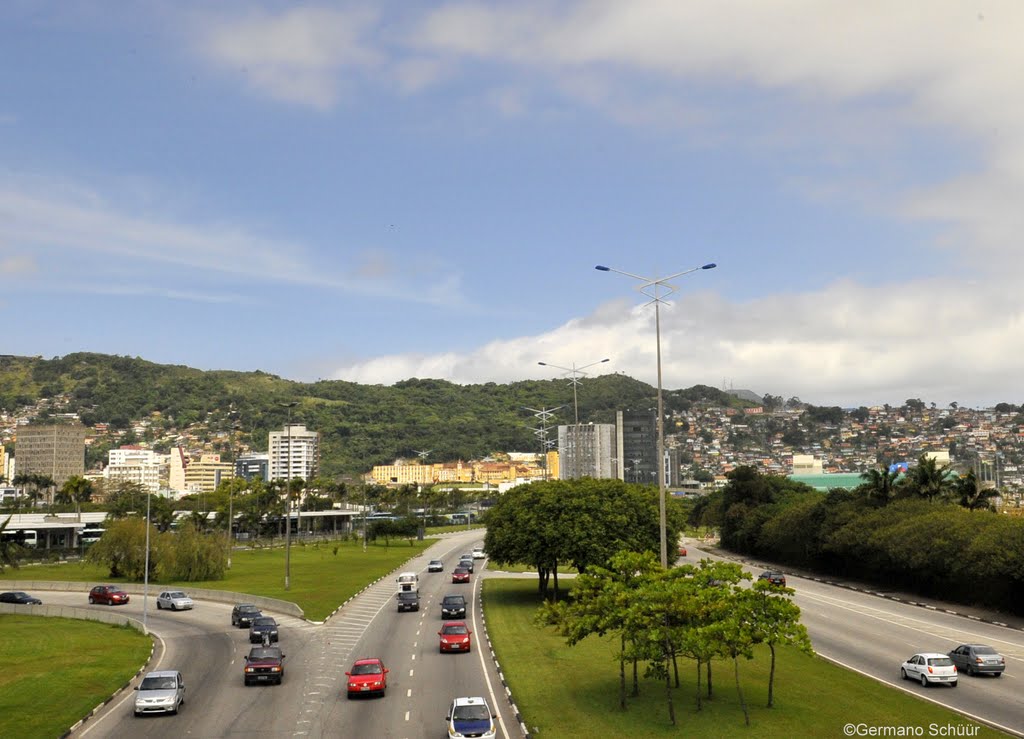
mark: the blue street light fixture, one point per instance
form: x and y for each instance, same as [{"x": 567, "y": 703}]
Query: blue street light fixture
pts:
[{"x": 653, "y": 288}]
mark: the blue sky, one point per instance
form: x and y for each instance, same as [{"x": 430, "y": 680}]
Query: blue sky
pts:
[{"x": 382, "y": 190}]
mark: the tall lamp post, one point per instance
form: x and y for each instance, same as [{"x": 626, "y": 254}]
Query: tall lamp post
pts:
[
  {"x": 145, "y": 574},
  {"x": 288, "y": 502},
  {"x": 652, "y": 288},
  {"x": 541, "y": 432},
  {"x": 577, "y": 376}
]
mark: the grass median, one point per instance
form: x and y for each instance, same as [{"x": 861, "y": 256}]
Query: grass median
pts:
[
  {"x": 56, "y": 670},
  {"x": 323, "y": 575},
  {"x": 568, "y": 692}
]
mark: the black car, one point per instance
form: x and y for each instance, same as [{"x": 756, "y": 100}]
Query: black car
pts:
[
  {"x": 408, "y": 601},
  {"x": 453, "y": 606},
  {"x": 243, "y": 614},
  {"x": 262, "y": 626},
  {"x": 774, "y": 577},
  {"x": 467, "y": 563},
  {"x": 19, "y": 598}
]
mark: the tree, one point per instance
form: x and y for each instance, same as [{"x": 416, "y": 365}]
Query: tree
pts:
[
  {"x": 776, "y": 620},
  {"x": 971, "y": 495},
  {"x": 928, "y": 480},
  {"x": 122, "y": 548},
  {"x": 879, "y": 485},
  {"x": 10, "y": 550},
  {"x": 76, "y": 489}
]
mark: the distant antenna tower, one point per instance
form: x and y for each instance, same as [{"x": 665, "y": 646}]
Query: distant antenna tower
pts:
[{"x": 422, "y": 455}]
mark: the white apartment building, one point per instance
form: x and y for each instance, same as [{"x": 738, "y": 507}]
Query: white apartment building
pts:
[
  {"x": 586, "y": 450},
  {"x": 294, "y": 452},
  {"x": 134, "y": 464}
]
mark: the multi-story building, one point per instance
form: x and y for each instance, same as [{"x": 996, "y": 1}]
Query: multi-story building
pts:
[
  {"x": 636, "y": 446},
  {"x": 586, "y": 450},
  {"x": 135, "y": 464},
  {"x": 253, "y": 466},
  {"x": 294, "y": 452},
  {"x": 56, "y": 450},
  {"x": 203, "y": 475}
]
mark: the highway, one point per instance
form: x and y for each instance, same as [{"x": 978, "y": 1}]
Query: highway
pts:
[
  {"x": 311, "y": 702},
  {"x": 874, "y": 635}
]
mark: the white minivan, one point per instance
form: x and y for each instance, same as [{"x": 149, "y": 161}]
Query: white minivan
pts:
[{"x": 409, "y": 582}]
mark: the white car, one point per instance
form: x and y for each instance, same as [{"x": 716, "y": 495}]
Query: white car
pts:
[
  {"x": 929, "y": 668},
  {"x": 478, "y": 553},
  {"x": 173, "y": 599},
  {"x": 160, "y": 692},
  {"x": 470, "y": 717}
]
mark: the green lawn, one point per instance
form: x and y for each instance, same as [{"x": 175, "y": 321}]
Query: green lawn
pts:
[
  {"x": 323, "y": 576},
  {"x": 565, "y": 692},
  {"x": 51, "y": 677}
]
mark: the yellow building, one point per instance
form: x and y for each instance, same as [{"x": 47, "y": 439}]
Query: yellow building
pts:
[{"x": 203, "y": 475}]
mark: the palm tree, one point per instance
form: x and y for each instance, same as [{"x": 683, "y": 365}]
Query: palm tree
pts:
[
  {"x": 971, "y": 495},
  {"x": 929, "y": 481},
  {"x": 880, "y": 485},
  {"x": 76, "y": 489},
  {"x": 10, "y": 550}
]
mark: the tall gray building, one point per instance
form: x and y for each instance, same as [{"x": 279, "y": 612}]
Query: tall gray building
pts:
[
  {"x": 637, "y": 445},
  {"x": 586, "y": 450},
  {"x": 54, "y": 450}
]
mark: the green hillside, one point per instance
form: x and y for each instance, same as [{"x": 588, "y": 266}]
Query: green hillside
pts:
[{"x": 361, "y": 425}]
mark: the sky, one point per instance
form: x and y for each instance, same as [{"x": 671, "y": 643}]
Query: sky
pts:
[{"x": 374, "y": 191}]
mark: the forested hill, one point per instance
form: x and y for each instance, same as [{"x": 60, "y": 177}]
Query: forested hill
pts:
[{"x": 361, "y": 425}]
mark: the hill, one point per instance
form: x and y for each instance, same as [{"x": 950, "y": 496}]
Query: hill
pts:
[{"x": 360, "y": 425}]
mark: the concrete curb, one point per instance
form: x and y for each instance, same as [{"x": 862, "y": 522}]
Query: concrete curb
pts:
[{"x": 501, "y": 675}]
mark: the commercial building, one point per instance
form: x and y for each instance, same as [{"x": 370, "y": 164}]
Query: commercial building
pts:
[
  {"x": 636, "y": 446},
  {"x": 203, "y": 475},
  {"x": 301, "y": 459},
  {"x": 586, "y": 450},
  {"x": 137, "y": 465},
  {"x": 253, "y": 466},
  {"x": 55, "y": 450}
]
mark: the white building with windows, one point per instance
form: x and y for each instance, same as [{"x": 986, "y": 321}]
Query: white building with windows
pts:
[
  {"x": 294, "y": 452},
  {"x": 137, "y": 465},
  {"x": 586, "y": 450}
]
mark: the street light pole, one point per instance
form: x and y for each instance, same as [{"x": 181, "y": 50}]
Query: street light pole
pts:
[
  {"x": 145, "y": 574},
  {"x": 288, "y": 502},
  {"x": 577, "y": 376},
  {"x": 652, "y": 288}
]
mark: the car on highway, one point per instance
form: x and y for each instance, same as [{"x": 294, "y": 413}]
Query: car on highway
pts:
[
  {"x": 978, "y": 659},
  {"x": 160, "y": 692},
  {"x": 453, "y": 606},
  {"x": 435, "y": 565},
  {"x": 408, "y": 601},
  {"x": 176, "y": 600},
  {"x": 682, "y": 551},
  {"x": 368, "y": 676},
  {"x": 774, "y": 577},
  {"x": 460, "y": 574},
  {"x": 262, "y": 627},
  {"x": 455, "y": 637},
  {"x": 470, "y": 717},
  {"x": 408, "y": 581},
  {"x": 468, "y": 563},
  {"x": 108, "y": 594},
  {"x": 263, "y": 665},
  {"x": 20, "y": 598},
  {"x": 478, "y": 553},
  {"x": 930, "y": 668},
  {"x": 243, "y": 614}
]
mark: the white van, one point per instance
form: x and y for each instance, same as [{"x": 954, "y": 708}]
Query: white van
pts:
[{"x": 409, "y": 582}]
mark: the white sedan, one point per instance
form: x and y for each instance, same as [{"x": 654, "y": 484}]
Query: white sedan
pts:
[
  {"x": 929, "y": 668},
  {"x": 173, "y": 599}
]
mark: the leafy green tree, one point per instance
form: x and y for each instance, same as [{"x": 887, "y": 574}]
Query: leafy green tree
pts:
[
  {"x": 76, "y": 489},
  {"x": 122, "y": 549},
  {"x": 10, "y": 550},
  {"x": 880, "y": 485},
  {"x": 928, "y": 480},
  {"x": 193, "y": 556},
  {"x": 971, "y": 495},
  {"x": 775, "y": 619}
]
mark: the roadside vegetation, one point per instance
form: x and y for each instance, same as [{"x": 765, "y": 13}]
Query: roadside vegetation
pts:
[
  {"x": 569, "y": 691},
  {"x": 926, "y": 531},
  {"x": 56, "y": 670}
]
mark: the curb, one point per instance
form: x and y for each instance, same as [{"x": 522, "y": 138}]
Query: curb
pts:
[{"x": 497, "y": 666}]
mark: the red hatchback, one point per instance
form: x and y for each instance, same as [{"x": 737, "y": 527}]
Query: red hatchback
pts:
[
  {"x": 367, "y": 677},
  {"x": 108, "y": 594},
  {"x": 455, "y": 636},
  {"x": 460, "y": 574}
]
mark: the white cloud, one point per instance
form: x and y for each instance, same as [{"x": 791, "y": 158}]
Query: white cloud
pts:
[{"x": 842, "y": 345}]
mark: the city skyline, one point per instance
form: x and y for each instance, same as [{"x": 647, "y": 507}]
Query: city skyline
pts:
[{"x": 377, "y": 191}]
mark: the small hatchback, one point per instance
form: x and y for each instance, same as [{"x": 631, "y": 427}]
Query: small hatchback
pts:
[
  {"x": 470, "y": 717},
  {"x": 455, "y": 637},
  {"x": 174, "y": 600},
  {"x": 460, "y": 574},
  {"x": 774, "y": 577},
  {"x": 368, "y": 676},
  {"x": 20, "y": 598},
  {"x": 930, "y": 668},
  {"x": 111, "y": 595},
  {"x": 160, "y": 692},
  {"x": 453, "y": 606},
  {"x": 435, "y": 565},
  {"x": 978, "y": 659}
]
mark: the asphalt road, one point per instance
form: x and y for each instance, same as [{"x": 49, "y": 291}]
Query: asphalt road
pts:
[
  {"x": 875, "y": 635},
  {"x": 311, "y": 702}
]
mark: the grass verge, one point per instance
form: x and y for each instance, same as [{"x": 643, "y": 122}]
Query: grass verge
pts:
[
  {"x": 323, "y": 575},
  {"x": 567, "y": 692},
  {"x": 54, "y": 676}
]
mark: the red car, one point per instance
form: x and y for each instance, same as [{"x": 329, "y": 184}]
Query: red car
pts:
[
  {"x": 109, "y": 594},
  {"x": 460, "y": 574},
  {"x": 368, "y": 676},
  {"x": 455, "y": 636},
  {"x": 682, "y": 551}
]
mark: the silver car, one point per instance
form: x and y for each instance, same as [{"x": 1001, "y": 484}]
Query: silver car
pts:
[
  {"x": 173, "y": 599},
  {"x": 160, "y": 692},
  {"x": 976, "y": 659}
]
